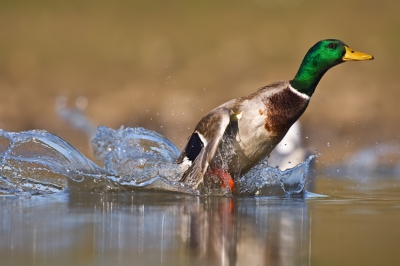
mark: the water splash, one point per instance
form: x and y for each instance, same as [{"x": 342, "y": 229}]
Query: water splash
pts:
[
  {"x": 137, "y": 158},
  {"x": 38, "y": 162},
  {"x": 263, "y": 180}
]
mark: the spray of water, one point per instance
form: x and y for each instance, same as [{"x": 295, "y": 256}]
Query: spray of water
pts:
[{"x": 37, "y": 162}]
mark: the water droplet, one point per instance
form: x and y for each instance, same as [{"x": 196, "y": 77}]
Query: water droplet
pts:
[{"x": 81, "y": 102}]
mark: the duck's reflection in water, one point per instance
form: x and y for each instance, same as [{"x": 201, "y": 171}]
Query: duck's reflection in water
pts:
[
  {"x": 247, "y": 231},
  {"x": 153, "y": 229},
  {"x": 220, "y": 231}
]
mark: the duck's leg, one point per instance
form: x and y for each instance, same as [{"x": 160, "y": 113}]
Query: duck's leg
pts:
[{"x": 224, "y": 176}]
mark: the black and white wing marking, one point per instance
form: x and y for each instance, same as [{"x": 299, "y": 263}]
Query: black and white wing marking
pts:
[{"x": 203, "y": 144}]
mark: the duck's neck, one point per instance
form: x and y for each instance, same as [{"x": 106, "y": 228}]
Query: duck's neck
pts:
[{"x": 307, "y": 78}]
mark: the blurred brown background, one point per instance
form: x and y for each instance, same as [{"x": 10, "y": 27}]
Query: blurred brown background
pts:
[{"x": 164, "y": 64}]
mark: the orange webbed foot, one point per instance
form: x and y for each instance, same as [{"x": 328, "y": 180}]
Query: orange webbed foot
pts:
[{"x": 225, "y": 178}]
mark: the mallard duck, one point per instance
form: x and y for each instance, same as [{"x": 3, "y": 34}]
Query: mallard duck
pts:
[{"x": 237, "y": 135}]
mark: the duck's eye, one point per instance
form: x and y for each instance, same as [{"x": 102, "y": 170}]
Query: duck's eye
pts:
[{"x": 332, "y": 45}]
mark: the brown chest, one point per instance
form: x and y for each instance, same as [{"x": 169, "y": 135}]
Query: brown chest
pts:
[{"x": 282, "y": 109}]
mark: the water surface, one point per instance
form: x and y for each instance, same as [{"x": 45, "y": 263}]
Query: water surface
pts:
[
  {"x": 357, "y": 225},
  {"x": 59, "y": 208}
]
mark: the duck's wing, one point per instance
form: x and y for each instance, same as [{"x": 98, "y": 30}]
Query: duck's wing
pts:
[{"x": 203, "y": 144}]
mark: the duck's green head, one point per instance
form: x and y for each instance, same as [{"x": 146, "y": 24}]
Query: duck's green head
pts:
[{"x": 320, "y": 58}]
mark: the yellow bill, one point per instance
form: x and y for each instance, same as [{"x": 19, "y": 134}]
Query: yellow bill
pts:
[{"x": 352, "y": 55}]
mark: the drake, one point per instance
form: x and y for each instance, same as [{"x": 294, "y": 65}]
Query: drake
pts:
[{"x": 237, "y": 135}]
